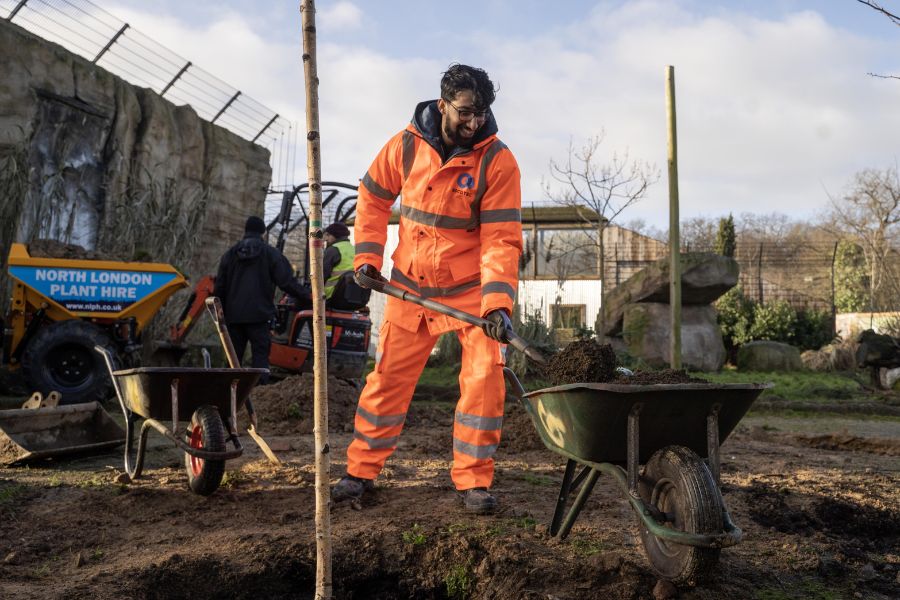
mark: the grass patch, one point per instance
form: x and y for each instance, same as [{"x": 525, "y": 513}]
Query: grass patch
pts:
[
  {"x": 458, "y": 582},
  {"x": 799, "y": 386},
  {"x": 233, "y": 479},
  {"x": 538, "y": 480},
  {"x": 414, "y": 536},
  {"x": 587, "y": 547},
  {"x": 9, "y": 493}
]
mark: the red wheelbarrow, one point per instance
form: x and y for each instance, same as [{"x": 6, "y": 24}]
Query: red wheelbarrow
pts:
[{"x": 199, "y": 397}]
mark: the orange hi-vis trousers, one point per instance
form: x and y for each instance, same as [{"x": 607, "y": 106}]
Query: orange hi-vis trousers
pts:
[{"x": 401, "y": 356}]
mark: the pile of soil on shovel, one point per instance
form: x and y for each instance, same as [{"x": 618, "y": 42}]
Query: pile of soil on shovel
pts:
[
  {"x": 286, "y": 407},
  {"x": 583, "y": 361}
]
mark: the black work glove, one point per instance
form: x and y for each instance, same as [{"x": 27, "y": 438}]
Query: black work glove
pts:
[
  {"x": 370, "y": 272},
  {"x": 497, "y": 326}
]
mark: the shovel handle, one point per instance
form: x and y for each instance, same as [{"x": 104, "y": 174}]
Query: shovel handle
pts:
[
  {"x": 514, "y": 340},
  {"x": 214, "y": 306}
]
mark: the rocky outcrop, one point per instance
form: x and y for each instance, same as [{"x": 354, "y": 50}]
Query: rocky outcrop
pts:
[
  {"x": 764, "y": 355},
  {"x": 104, "y": 160},
  {"x": 704, "y": 278},
  {"x": 647, "y": 332}
]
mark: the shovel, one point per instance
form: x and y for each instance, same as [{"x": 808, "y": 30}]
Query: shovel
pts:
[
  {"x": 517, "y": 342},
  {"x": 214, "y": 306}
]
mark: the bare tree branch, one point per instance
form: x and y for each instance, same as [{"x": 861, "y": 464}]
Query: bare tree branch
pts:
[
  {"x": 875, "y": 6},
  {"x": 598, "y": 192}
]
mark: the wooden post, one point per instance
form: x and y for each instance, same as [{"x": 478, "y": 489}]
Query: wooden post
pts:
[
  {"x": 316, "y": 244},
  {"x": 674, "y": 232}
]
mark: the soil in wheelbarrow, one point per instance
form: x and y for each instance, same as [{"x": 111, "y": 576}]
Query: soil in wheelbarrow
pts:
[
  {"x": 818, "y": 523},
  {"x": 586, "y": 361}
]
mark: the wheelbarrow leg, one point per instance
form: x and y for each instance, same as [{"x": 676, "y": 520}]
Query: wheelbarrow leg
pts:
[{"x": 562, "y": 530}]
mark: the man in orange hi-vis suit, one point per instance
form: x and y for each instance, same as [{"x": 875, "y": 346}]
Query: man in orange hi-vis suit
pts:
[{"x": 460, "y": 241}]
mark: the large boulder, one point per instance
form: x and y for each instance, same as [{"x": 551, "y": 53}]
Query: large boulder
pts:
[
  {"x": 763, "y": 355},
  {"x": 704, "y": 278},
  {"x": 646, "y": 332}
]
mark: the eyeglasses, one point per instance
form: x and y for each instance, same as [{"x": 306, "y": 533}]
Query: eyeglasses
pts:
[{"x": 467, "y": 114}]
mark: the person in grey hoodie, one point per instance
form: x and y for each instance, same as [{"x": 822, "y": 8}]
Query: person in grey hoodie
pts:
[{"x": 245, "y": 284}]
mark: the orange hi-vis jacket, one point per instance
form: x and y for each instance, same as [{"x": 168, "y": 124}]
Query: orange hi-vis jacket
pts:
[{"x": 460, "y": 221}]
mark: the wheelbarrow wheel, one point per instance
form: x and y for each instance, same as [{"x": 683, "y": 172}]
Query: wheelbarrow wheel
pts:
[
  {"x": 206, "y": 431},
  {"x": 678, "y": 483}
]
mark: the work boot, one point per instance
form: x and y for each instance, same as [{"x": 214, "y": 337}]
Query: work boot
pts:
[
  {"x": 351, "y": 488},
  {"x": 479, "y": 501}
]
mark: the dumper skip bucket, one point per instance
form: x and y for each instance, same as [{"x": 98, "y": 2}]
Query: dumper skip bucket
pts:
[{"x": 29, "y": 434}]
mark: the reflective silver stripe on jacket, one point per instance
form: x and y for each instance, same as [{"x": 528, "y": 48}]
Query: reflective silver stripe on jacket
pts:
[
  {"x": 381, "y": 420},
  {"x": 409, "y": 153},
  {"x": 377, "y": 443},
  {"x": 489, "y": 155},
  {"x": 473, "y": 450},
  {"x": 498, "y": 287},
  {"x": 433, "y": 219},
  {"x": 479, "y": 423},
  {"x": 432, "y": 292},
  {"x": 369, "y": 247},
  {"x": 376, "y": 190}
]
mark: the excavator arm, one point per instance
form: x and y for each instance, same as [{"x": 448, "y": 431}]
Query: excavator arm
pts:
[{"x": 193, "y": 309}]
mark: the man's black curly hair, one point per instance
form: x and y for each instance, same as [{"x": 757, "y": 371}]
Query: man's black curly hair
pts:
[{"x": 459, "y": 77}]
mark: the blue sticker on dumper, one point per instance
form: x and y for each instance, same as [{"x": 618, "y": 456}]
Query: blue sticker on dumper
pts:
[{"x": 92, "y": 290}]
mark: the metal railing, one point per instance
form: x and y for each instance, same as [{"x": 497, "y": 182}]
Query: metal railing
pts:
[{"x": 89, "y": 31}]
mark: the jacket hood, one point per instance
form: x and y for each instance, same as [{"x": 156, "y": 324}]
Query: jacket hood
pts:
[
  {"x": 427, "y": 121},
  {"x": 251, "y": 247}
]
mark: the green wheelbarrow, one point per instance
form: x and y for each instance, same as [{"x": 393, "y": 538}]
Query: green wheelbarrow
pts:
[{"x": 674, "y": 430}]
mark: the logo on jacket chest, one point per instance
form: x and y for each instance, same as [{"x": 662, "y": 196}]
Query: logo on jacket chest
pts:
[{"x": 464, "y": 184}]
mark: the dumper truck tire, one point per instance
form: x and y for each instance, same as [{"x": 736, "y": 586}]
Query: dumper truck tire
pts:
[
  {"x": 61, "y": 357},
  {"x": 206, "y": 431},
  {"x": 679, "y": 484}
]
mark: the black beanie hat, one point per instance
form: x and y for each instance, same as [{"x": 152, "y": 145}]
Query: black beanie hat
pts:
[
  {"x": 338, "y": 230},
  {"x": 254, "y": 225}
]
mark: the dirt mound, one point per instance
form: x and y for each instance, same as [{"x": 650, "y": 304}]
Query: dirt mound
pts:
[
  {"x": 583, "y": 361},
  {"x": 883, "y": 446},
  {"x": 287, "y": 406},
  {"x": 654, "y": 377},
  {"x": 55, "y": 249},
  {"x": 519, "y": 434}
]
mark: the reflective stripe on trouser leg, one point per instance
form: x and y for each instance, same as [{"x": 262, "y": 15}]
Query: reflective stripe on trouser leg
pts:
[
  {"x": 479, "y": 412},
  {"x": 385, "y": 398}
]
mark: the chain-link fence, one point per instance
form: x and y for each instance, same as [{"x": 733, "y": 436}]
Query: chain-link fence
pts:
[{"x": 89, "y": 31}]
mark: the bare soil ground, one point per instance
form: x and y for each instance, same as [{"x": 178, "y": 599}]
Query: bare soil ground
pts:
[{"x": 817, "y": 499}]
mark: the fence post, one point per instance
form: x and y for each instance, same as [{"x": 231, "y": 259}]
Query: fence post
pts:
[
  {"x": 759, "y": 281},
  {"x": 833, "y": 298},
  {"x": 110, "y": 43},
  {"x": 18, "y": 7}
]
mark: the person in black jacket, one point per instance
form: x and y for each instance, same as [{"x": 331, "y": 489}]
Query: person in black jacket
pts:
[{"x": 245, "y": 284}]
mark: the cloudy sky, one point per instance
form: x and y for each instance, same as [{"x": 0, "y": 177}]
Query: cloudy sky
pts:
[{"x": 775, "y": 107}]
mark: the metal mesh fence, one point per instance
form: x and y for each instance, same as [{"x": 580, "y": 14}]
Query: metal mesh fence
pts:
[{"x": 89, "y": 31}]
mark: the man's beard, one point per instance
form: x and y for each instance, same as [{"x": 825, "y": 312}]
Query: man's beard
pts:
[{"x": 457, "y": 139}]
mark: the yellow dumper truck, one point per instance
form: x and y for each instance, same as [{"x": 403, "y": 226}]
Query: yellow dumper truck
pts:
[{"x": 61, "y": 308}]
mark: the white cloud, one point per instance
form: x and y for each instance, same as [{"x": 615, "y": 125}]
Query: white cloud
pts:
[
  {"x": 343, "y": 15},
  {"x": 771, "y": 113}
]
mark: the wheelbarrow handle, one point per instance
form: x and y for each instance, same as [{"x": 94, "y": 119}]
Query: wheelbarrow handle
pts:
[{"x": 514, "y": 340}]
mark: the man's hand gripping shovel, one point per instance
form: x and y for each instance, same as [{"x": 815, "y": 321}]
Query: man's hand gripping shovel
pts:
[
  {"x": 214, "y": 306},
  {"x": 380, "y": 285}
]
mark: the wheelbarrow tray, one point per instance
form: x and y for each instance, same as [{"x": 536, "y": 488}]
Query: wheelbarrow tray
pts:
[
  {"x": 30, "y": 434},
  {"x": 590, "y": 420},
  {"x": 147, "y": 391}
]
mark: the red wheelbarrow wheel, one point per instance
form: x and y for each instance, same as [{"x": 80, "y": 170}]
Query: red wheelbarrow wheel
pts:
[
  {"x": 206, "y": 431},
  {"x": 679, "y": 484}
]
